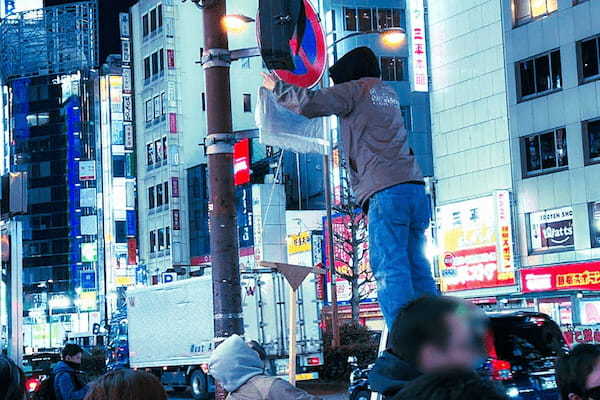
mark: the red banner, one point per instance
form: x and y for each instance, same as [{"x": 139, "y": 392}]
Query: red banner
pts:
[
  {"x": 175, "y": 186},
  {"x": 241, "y": 162},
  {"x": 173, "y": 123},
  {"x": 582, "y": 276},
  {"x": 176, "y": 220},
  {"x": 131, "y": 251}
]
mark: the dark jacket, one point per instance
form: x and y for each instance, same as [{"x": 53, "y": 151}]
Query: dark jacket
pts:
[
  {"x": 390, "y": 374},
  {"x": 241, "y": 372},
  {"x": 374, "y": 139},
  {"x": 67, "y": 385}
]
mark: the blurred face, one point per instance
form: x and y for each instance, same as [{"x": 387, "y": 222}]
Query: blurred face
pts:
[
  {"x": 592, "y": 385},
  {"x": 74, "y": 359},
  {"x": 464, "y": 348}
]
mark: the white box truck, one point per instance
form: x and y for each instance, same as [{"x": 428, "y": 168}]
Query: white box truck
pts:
[{"x": 168, "y": 329}]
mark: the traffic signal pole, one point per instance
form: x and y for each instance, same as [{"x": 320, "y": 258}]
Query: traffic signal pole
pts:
[{"x": 216, "y": 60}]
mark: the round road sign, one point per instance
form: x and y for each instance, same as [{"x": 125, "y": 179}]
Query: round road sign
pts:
[
  {"x": 311, "y": 59},
  {"x": 449, "y": 259}
]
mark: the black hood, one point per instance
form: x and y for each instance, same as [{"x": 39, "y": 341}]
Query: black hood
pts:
[{"x": 359, "y": 63}]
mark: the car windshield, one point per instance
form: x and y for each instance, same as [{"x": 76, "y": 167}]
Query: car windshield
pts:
[
  {"x": 522, "y": 339},
  {"x": 39, "y": 364}
]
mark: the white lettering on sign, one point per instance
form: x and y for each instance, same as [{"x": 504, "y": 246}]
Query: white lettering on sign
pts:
[{"x": 538, "y": 282}]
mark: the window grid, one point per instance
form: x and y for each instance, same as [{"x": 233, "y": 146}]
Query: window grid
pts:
[
  {"x": 545, "y": 152},
  {"x": 366, "y": 19}
]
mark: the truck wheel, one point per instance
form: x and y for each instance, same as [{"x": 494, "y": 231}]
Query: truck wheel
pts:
[{"x": 198, "y": 384}]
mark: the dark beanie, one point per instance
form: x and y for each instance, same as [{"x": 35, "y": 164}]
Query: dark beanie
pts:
[{"x": 359, "y": 63}]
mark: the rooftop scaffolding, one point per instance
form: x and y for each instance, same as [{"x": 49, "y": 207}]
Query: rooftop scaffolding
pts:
[{"x": 47, "y": 41}]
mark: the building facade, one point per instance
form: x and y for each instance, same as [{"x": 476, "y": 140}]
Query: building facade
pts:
[{"x": 515, "y": 101}]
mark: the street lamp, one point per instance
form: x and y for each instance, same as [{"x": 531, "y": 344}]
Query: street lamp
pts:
[
  {"x": 390, "y": 37},
  {"x": 236, "y": 23}
]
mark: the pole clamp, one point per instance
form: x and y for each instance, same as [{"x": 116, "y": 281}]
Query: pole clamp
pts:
[
  {"x": 219, "y": 143},
  {"x": 214, "y": 58}
]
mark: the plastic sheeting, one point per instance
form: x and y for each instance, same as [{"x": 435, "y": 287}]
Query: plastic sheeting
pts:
[{"x": 280, "y": 127}]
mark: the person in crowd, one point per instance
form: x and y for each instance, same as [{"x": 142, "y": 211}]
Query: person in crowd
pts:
[
  {"x": 460, "y": 384},
  {"x": 239, "y": 369},
  {"x": 386, "y": 180},
  {"x": 127, "y": 384},
  {"x": 429, "y": 334},
  {"x": 12, "y": 380},
  {"x": 67, "y": 380},
  {"x": 578, "y": 373}
]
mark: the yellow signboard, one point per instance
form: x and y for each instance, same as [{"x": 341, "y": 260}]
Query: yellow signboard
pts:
[{"x": 299, "y": 243}]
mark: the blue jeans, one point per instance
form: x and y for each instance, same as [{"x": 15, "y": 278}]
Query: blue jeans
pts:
[{"x": 398, "y": 219}]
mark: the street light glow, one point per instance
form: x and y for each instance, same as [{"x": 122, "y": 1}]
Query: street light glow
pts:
[
  {"x": 393, "y": 38},
  {"x": 236, "y": 23}
]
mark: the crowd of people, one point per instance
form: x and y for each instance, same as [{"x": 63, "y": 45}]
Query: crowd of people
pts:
[{"x": 435, "y": 347}]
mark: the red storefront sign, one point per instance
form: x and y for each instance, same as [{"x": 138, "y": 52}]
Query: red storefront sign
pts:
[
  {"x": 175, "y": 187},
  {"x": 241, "y": 162},
  {"x": 170, "y": 58},
  {"x": 131, "y": 251},
  {"x": 582, "y": 334},
  {"x": 475, "y": 269},
  {"x": 173, "y": 123},
  {"x": 582, "y": 276}
]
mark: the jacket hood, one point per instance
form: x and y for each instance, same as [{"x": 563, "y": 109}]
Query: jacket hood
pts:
[
  {"x": 234, "y": 363},
  {"x": 390, "y": 374},
  {"x": 63, "y": 366},
  {"x": 357, "y": 64}
]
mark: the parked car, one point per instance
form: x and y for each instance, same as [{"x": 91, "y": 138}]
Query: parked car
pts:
[
  {"x": 523, "y": 348},
  {"x": 522, "y": 351},
  {"x": 37, "y": 367}
]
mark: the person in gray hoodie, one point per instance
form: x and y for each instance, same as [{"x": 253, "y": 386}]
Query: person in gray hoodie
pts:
[
  {"x": 385, "y": 177},
  {"x": 240, "y": 371}
]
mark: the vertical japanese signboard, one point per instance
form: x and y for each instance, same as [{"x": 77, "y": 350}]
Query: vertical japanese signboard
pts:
[{"x": 418, "y": 47}]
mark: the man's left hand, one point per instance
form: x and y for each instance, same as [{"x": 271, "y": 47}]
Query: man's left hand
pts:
[{"x": 269, "y": 81}]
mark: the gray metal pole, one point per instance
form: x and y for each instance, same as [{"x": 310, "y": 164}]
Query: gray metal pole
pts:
[{"x": 15, "y": 347}]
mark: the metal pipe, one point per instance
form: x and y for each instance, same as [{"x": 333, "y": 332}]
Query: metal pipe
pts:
[{"x": 227, "y": 301}]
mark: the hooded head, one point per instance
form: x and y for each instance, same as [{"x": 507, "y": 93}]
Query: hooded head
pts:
[
  {"x": 234, "y": 363},
  {"x": 359, "y": 63}
]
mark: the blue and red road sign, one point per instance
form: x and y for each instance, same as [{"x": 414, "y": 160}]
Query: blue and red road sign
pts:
[{"x": 311, "y": 58}]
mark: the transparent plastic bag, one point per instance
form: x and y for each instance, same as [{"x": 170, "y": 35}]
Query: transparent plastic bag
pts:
[{"x": 285, "y": 129}]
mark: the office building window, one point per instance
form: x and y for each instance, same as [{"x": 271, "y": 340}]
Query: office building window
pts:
[
  {"x": 589, "y": 59},
  {"x": 152, "y": 241},
  {"x": 164, "y": 105},
  {"x": 540, "y": 75},
  {"x": 161, "y": 57},
  {"x": 153, "y": 20},
  {"x": 365, "y": 19},
  {"x": 158, "y": 151},
  {"x": 147, "y": 69},
  {"x": 165, "y": 148},
  {"x": 591, "y": 139},
  {"x": 394, "y": 69},
  {"x": 526, "y": 10},
  {"x": 121, "y": 231},
  {"x": 390, "y": 18},
  {"x": 168, "y": 237},
  {"x": 247, "y": 102},
  {"x": 161, "y": 239},
  {"x": 203, "y": 101},
  {"x": 145, "y": 25},
  {"x": 350, "y": 19},
  {"x": 150, "y": 153},
  {"x": 154, "y": 63},
  {"x": 545, "y": 152},
  {"x": 166, "y": 192},
  {"x": 151, "y": 199},
  {"x": 159, "y": 195},
  {"x": 406, "y": 115},
  {"x": 149, "y": 110},
  {"x": 159, "y": 13},
  {"x": 119, "y": 166}
]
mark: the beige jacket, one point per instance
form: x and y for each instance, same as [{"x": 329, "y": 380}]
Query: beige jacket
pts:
[{"x": 264, "y": 387}]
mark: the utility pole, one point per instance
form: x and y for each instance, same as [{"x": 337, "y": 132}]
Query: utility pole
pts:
[{"x": 216, "y": 61}]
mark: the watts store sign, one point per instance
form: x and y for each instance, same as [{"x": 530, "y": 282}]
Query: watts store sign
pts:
[{"x": 475, "y": 241}]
